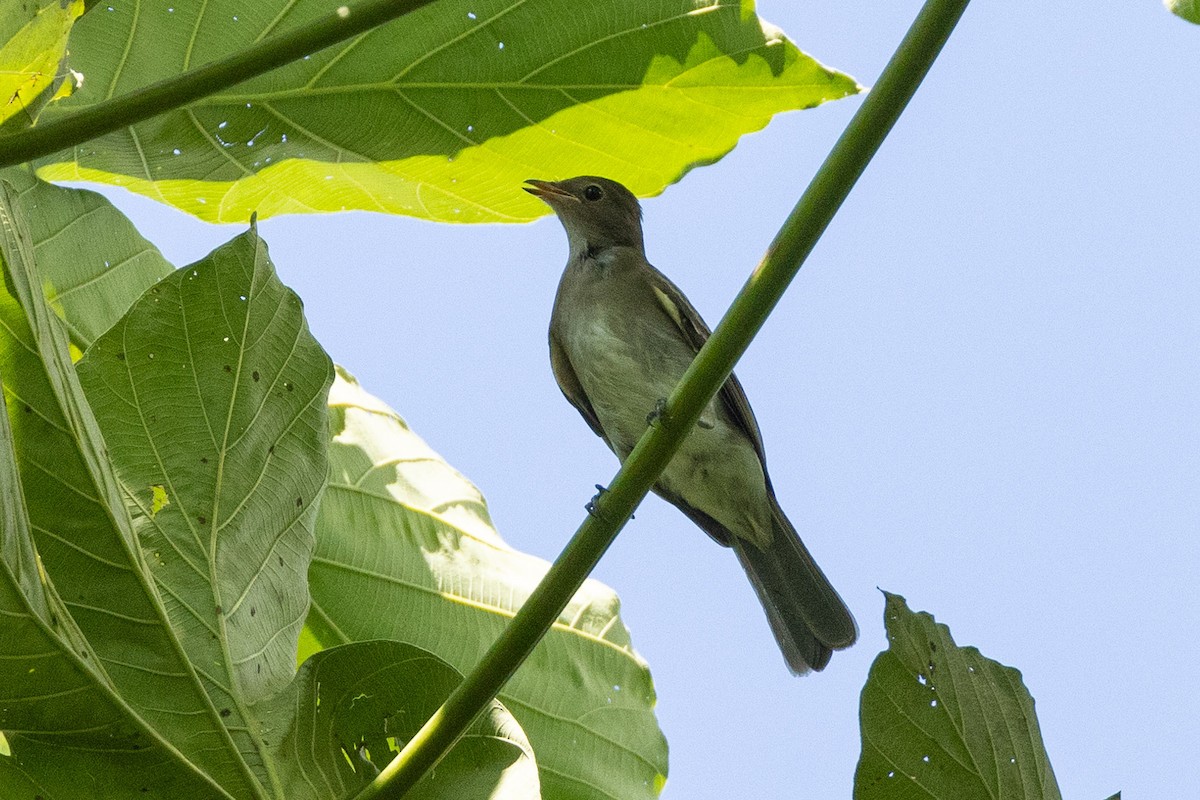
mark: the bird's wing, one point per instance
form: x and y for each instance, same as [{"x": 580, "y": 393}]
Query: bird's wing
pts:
[
  {"x": 689, "y": 321},
  {"x": 568, "y": 382}
]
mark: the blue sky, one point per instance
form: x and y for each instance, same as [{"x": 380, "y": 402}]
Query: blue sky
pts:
[{"x": 980, "y": 393}]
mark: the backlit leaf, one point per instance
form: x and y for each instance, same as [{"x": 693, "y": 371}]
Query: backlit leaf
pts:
[{"x": 440, "y": 114}]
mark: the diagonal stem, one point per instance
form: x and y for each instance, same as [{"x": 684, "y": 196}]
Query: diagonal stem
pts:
[
  {"x": 703, "y": 379},
  {"x": 271, "y": 53}
]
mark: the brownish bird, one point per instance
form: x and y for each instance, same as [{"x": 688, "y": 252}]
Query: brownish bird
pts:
[{"x": 621, "y": 337}]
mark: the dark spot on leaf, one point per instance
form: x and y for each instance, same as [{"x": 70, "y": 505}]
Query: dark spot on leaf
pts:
[
  {"x": 259, "y": 669},
  {"x": 220, "y": 611},
  {"x": 254, "y": 375},
  {"x": 271, "y": 449},
  {"x": 203, "y": 520},
  {"x": 203, "y": 459},
  {"x": 28, "y": 408},
  {"x": 225, "y": 712},
  {"x": 288, "y": 385},
  {"x": 281, "y": 561},
  {"x": 299, "y": 502},
  {"x": 120, "y": 356},
  {"x": 228, "y": 368},
  {"x": 253, "y": 611}
]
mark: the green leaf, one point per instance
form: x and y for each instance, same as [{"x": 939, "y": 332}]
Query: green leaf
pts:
[
  {"x": 92, "y": 261},
  {"x": 33, "y": 43},
  {"x": 942, "y": 721},
  {"x": 212, "y": 388},
  {"x": 357, "y": 700},
  {"x": 406, "y": 551},
  {"x": 82, "y": 532},
  {"x": 441, "y": 114},
  {"x": 52, "y": 690},
  {"x": 1188, "y": 9},
  {"x": 45, "y": 769}
]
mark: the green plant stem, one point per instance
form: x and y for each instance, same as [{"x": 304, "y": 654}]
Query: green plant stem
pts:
[
  {"x": 271, "y": 53},
  {"x": 703, "y": 379}
]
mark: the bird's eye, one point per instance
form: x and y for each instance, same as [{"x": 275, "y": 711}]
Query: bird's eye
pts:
[{"x": 593, "y": 193}]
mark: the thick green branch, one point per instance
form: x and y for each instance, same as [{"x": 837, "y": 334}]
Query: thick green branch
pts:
[
  {"x": 703, "y": 379},
  {"x": 271, "y": 53}
]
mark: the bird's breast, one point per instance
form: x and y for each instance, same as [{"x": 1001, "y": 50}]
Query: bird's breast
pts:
[{"x": 624, "y": 372}]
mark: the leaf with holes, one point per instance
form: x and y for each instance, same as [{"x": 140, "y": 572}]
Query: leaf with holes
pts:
[
  {"x": 943, "y": 722},
  {"x": 406, "y": 550},
  {"x": 357, "y": 701},
  {"x": 212, "y": 391},
  {"x": 53, "y": 690},
  {"x": 84, "y": 536},
  {"x": 440, "y": 114}
]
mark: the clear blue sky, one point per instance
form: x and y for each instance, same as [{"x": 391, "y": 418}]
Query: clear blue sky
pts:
[{"x": 982, "y": 392}]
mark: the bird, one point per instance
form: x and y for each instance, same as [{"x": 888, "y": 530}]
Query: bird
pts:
[{"x": 621, "y": 337}]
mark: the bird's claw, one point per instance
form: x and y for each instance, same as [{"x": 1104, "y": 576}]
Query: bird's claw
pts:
[
  {"x": 660, "y": 411},
  {"x": 591, "y": 504}
]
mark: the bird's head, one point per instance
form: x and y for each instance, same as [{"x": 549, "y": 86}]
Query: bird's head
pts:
[{"x": 597, "y": 213}]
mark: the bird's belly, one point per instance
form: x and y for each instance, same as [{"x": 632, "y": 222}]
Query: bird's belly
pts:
[{"x": 716, "y": 470}]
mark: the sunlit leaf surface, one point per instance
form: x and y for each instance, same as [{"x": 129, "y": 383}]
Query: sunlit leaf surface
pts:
[{"x": 440, "y": 114}]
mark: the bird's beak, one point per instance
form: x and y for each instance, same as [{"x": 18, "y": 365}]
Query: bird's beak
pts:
[{"x": 548, "y": 191}]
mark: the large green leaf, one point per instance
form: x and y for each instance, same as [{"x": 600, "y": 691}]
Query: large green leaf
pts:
[
  {"x": 405, "y": 550},
  {"x": 56, "y": 698},
  {"x": 440, "y": 114},
  {"x": 83, "y": 534},
  {"x": 943, "y": 722},
  {"x": 211, "y": 393},
  {"x": 33, "y": 43}
]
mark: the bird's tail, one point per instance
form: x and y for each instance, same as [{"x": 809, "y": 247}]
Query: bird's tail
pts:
[{"x": 807, "y": 616}]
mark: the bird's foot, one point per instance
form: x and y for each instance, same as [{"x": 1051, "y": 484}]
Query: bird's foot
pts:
[
  {"x": 591, "y": 504},
  {"x": 660, "y": 411}
]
